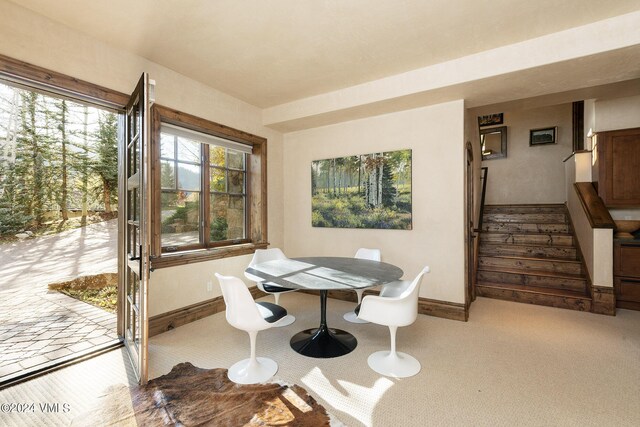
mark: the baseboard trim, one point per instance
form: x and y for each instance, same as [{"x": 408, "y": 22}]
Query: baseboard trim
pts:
[
  {"x": 430, "y": 307},
  {"x": 444, "y": 309},
  {"x": 172, "y": 319},
  {"x": 604, "y": 300}
]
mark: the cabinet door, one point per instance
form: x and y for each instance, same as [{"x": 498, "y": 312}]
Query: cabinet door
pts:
[
  {"x": 619, "y": 171},
  {"x": 627, "y": 292},
  {"x": 629, "y": 261}
]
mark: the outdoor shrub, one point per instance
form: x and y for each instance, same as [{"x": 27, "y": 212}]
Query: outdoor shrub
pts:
[{"x": 219, "y": 229}]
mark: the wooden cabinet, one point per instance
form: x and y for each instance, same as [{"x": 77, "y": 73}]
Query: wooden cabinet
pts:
[
  {"x": 616, "y": 167},
  {"x": 626, "y": 274}
]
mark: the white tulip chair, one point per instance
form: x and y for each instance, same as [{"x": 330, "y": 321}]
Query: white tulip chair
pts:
[
  {"x": 362, "y": 253},
  {"x": 244, "y": 313},
  {"x": 396, "y": 306},
  {"x": 264, "y": 255}
]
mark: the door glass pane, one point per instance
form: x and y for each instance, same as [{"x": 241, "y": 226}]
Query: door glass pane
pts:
[
  {"x": 180, "y": 213},
  {"x": 188, "y": 177},
  {"x": 132, "y": 247},
  {"x": 132, "y": 154},
  {"x": 133, "y": 326},
  {"x": 133, "y": 279},
  {"x": 135, "y": 207},
  {"x": 133, "y": 123}
]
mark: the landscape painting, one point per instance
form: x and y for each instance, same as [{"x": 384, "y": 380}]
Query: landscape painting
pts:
[{"x": 362, "y": 191}]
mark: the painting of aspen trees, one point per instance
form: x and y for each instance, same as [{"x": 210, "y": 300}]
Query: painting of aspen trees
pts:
[{"x": 363, "y": 191}]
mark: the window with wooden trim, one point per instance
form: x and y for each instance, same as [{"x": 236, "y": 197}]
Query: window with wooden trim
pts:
[{"x": 209, "y": 189}]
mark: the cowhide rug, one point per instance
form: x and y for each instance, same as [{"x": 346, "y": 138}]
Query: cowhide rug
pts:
[{"x": 191, "y": 396}]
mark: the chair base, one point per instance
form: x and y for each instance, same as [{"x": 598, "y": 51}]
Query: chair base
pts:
[
  {"x": 244, "y": 372},
  {"x": 400, "y": 365},
  {"x": 353, "y": 318},
  {"x": 285, "y": 321}
]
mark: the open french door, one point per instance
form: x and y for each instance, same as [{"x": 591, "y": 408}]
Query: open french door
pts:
[{"x": 134, "y": 228}]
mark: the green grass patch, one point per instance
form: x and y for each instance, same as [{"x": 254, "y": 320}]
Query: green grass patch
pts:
[
  {"x": 105, "y": 298},
  {"x": 351, "y": 211}
]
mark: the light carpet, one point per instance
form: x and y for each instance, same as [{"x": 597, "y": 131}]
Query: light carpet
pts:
[{"x": 511, "y": 364}]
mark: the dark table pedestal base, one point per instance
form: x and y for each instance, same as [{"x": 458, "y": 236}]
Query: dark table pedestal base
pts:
[{"x": 323, "y": 342}]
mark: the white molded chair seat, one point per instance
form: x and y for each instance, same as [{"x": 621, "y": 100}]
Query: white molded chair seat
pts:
[
  {"x": 244, "y": 313},
  {"x": 362, "y": 253},
  {"x": 396, "y": 306},
  {"x": 264, "y": 255}
]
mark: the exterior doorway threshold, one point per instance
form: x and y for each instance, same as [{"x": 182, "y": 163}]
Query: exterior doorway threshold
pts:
[{"x": 27, "y": 374}]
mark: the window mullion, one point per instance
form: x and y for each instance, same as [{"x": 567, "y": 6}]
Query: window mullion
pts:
[
  {"x": 206, "y": 196},
  {"x": 175, "y": 163}
]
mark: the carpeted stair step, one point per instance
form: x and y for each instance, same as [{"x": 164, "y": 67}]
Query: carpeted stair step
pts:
[
  {"x": 541, "y": 279},
  {"x": 539, "y": 239},
  {"x": 535, "y": 295},
  {"x": 533, "y": 251},
  {"x": 530, "y": 264}
]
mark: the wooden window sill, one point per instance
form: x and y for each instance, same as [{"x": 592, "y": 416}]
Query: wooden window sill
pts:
[{"x": 202, "y": 255}]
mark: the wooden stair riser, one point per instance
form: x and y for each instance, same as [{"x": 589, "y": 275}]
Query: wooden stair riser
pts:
[
  {"x": 564, "y": 252},
  {"x": 527, "y": 254},
  {"x": 532, "y": 279},
  {"x": 528, "y": 239},
  {"x": 515, "y": 227},
  {"x": 577, "y": 303},
  {"x": 529, "y": 218},
  {"x": 527, "y": 264},
  {"x": 561, "y": 209}
]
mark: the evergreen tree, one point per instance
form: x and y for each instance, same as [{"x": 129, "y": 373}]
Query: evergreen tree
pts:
[
  {"x": 52, "y": 151},
  {"x": 29, "y": 165},
  {"x": 64, "y": 168},
  {"x": 84, "y": 159},
  {"x": 314, "y": 179},
  {"x": 106, "y": 164},
  {"x": 12, "y": 217},
  {"x": 388, "y": 188}
]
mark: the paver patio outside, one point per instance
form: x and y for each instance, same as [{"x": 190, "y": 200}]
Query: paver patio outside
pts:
[{"x": 38, "y": 326}]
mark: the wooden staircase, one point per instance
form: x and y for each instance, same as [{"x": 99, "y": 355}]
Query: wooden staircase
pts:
[{"x": 528, "y": 254}]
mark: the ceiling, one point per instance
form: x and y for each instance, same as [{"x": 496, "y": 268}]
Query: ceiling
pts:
[{"x": 272, "y": 52}]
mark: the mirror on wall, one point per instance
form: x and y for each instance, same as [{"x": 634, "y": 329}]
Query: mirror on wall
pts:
[{"x": 493, "y": 142}]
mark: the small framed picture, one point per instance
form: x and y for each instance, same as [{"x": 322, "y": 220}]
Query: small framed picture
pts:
[
  {"x": 490, "y": 120},
  {"x": 542, "y": 136}
]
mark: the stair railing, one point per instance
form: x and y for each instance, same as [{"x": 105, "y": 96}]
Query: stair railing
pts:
[
  {"x": 476, "y": 246},
  {"x": 483, "y": 177}
]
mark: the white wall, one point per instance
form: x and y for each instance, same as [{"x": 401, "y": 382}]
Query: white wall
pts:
[
  {"x": 529, "y": 174},
  {"x": 436, "y": 137},
  {"x": 32, "y": 38},
  {"x": 619, "y": 113}
]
